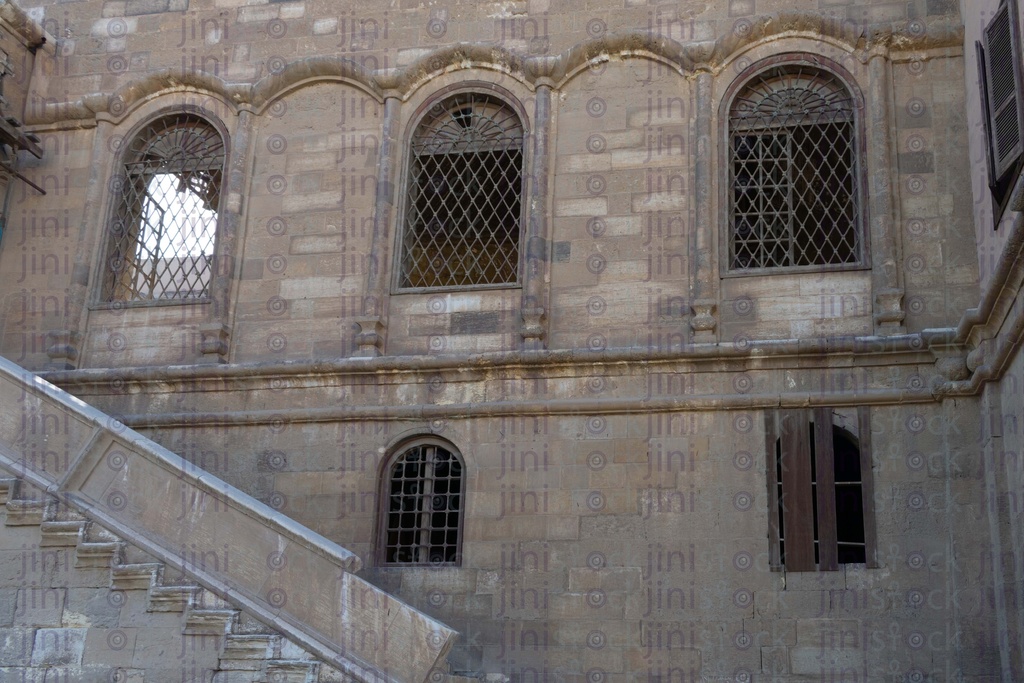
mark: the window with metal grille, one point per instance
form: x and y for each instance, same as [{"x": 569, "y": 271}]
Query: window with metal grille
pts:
[
  {"x": 1001, "y": 67},
  {"x": 164, "y": 224},
  {"x": 820, "y": 485},
  {"x": 464, "y": 200},
  {"x": 794, "y": 188},
  {"x": 422, "y": 507}
]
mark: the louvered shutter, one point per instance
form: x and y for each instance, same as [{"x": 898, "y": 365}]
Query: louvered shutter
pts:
[{"x": 1004, "y": 86}]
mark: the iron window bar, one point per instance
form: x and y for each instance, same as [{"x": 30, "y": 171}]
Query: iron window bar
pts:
[
  {"x": 422, "y": 524},
  {"x": 464, "y": 206},
  {"x": 793, "y": 172},
  {"x": 164, "y": 227}
]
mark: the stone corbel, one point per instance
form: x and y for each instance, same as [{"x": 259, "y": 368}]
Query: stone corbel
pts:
[
  {"x": 951, "y": 362},
  {"x": 703, "y": 321},
  {"x": 62, "y": 349},
  {"x": 533, "y": 328},
  {"x": 214, "y": 343},
  {"x": 976, "y": 358},
  {"x": 889, "y": 313},
  {"x": 370, "y": 338}
]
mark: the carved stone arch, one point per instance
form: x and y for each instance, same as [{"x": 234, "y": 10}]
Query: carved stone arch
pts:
[
  {"x": 457, "y": 58},
  {"x": 311, "y": 71},
  {"x": 168, "y": 83}
]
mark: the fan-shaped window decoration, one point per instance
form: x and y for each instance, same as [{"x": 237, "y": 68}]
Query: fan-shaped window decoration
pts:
[
  {"x": 793, "y": 172},
  {"x": 465, "y": 190},
  {"x": 164, "y": 226},
  {"x": 422, "y": 507}
]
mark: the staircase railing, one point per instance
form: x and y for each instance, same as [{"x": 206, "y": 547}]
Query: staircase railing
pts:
[{"x": 277, "y": 570}]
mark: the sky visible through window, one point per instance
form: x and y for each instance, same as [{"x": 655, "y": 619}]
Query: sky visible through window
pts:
[{"x": 176, "y": 221}]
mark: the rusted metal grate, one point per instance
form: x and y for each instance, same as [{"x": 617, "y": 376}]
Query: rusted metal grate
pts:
[
  {"x": 465, "y": 195},
  {"x": 793, "y": 172},
  {"x": 165, "y": 221},
  {"x": 423, "y": 507}
]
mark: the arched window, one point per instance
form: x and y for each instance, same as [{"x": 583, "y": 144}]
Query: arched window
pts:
[
  {"x": 164, "y": 224},
  {"x": 464, "y": 198},
  {"x": 821, "y": 489},
  {"x": 794, "y": 182},
  {"x": 421, "y": 511}
]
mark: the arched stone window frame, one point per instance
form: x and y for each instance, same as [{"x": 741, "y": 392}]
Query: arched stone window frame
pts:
[
  {"x": 421, "y": 115},
  {"x": 392, "y": 489},
  {"x": 832, "y": 70},
  {"x": 108, "y": 294}
]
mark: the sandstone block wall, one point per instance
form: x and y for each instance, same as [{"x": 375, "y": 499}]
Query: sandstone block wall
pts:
[{"x": 616, "y": 506}]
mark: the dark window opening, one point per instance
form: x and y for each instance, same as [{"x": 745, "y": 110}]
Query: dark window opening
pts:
[
  {"x": 793, "y": 172},
  {"x": 818, "y": 489},
  {"x": 424, "y": 503},
  {"x": 465, "y": 192}
]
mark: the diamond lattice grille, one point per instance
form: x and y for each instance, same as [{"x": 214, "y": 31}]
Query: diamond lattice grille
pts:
[
  {"x": 165, "y": 223},
  {"x": 793, "y": 172},
  {"x": 424, "y": 500},
  {"x": 465, "y": 195}
]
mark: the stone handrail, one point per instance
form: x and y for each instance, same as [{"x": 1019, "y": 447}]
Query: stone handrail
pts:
[{"x": 280, "y": 572}]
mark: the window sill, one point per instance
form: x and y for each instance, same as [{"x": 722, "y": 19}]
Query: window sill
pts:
[
  {"x": 797, "y": 270},
  {"x": 461, "y": 289},
  {"x": 154, "y": 303}
]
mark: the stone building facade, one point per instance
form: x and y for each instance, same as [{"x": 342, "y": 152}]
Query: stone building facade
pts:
[{"x": 630, "y": 341}]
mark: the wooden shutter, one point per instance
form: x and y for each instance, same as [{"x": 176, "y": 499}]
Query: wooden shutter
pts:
[
  {"x": 1003, "y": 90},
  {"x": 825, "y": 488},
  {"x": 867, "y": 484},
  {"x": 797, "y": 504}
]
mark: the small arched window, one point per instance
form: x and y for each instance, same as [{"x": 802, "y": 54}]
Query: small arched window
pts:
[
  {"x": 793, "y": 172},
  {"x": 164, "y": 224},
  {"x": 464, "y": 197},
  {"x": 422, "y": 502}
]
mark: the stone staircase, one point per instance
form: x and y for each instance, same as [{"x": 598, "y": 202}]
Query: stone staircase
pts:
[
  {"x": 95, "y": 513},
  {"x": 219, "y": 644}
]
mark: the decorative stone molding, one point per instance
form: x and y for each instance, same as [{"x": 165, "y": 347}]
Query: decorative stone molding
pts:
[
  {"x": 370, "y": 338},
  {"x": 976, "y": 357},
  {"x": 533, "y": 328},
  {"x": 889, "y": 313},
  {"x": 953, "y": 367},
  {"x": 62, "y": 349},
  {"x": 214, "y": 343},
  {"x": 703, "y": 322},
  {"x": 553, "y": 70}
]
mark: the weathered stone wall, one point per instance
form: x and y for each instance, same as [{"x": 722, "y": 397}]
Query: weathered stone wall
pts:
[
  {"x": 623, "y": 545},
  {"x": 616, "y": 507},
  {"x": 634, "y": 213},
  {"x": 64, "y": 617}
]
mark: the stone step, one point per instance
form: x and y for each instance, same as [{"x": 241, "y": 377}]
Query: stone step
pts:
[
  {"x": 210, "y": 621},
  {"x": 8, "y": 486},
  {"x": 248, "y": 652},
  {"x": 292, "y": 671},
  {"x": 25, "y": 512},
  {"x": 65, "y": 533},
  {"x": 102, "y": 554},
  {"x": 171, "y": 598},
  {"x": 236, "y": 676},
  {"x": 126, "y": 577}
]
